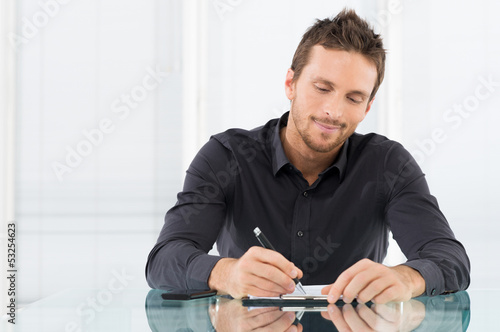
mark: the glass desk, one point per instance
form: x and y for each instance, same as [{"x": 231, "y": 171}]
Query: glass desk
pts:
[{"x": 145, "y": 310}]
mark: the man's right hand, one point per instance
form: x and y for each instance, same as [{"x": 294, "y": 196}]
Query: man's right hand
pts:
[
  {"x": 259, "y": 272},
  {"x": 230, "y": 315}
]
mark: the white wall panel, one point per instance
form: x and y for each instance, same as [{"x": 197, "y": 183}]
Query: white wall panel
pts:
[{"x": 95, "y": 61}]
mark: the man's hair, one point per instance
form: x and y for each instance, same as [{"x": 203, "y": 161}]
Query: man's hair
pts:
[{"x": 347, "y": 32}]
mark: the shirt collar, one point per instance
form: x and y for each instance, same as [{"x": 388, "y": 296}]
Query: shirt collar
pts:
[{"x": 280, "y": 159}]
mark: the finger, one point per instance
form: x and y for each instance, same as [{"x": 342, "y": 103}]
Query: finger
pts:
[
  {"x": 300, "y": 274},
  {"x": 368, "y": 282},
  {"x": 353, "y": 320},
  {"x": 374, "y": 321},
  {"x": 259, "y": 311},
  {"x": 282, "y": 323},
  {"x": 273, "y": 266},
  {"x": 275, "y": 259},
  {"x": 263, "y": 320},
  {"x": 374, "y": 288},
  {"x": 390, "y": 294},
  {"x": 337, "y": 318},
  {"x": 325, "y": 290},
  {"x": 258, "y": 286},
  {"x": 389, "y": 311},
  {"x": 344, "y": 279},
  {"x": 274, "y": 280},
  {"x": 247, "y": 283},
  {"x": 255, "y": 273}
]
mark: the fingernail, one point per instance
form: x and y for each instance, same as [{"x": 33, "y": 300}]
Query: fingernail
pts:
[
  {"x": 291, "y": 286},
  {"x": 330, "y": 308},
  {"x": 290, "y": 316},
  {"x": 294, "y": 274},
  {"x": 331, "y": 299}
]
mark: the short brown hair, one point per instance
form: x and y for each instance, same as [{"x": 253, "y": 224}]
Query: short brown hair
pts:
[{"x": 348, "y": 32}]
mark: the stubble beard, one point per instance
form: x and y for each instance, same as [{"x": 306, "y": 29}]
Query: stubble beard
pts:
[{"x": 308, "y": 139}]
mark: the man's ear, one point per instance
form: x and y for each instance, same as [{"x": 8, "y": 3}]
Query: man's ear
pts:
[
  {"x": 290, "y": 85},
  {"x": 369, "y": 106}
]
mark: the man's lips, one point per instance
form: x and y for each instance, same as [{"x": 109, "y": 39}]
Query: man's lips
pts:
[{"x": 328, "y": 128}]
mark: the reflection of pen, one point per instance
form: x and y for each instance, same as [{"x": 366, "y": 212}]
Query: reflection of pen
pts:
[
  {"x": 266, "y": 244},
  {"x": 298, "y": 317}
]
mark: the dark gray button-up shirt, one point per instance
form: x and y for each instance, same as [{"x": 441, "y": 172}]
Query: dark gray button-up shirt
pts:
[{"x": 242, "y": 179}]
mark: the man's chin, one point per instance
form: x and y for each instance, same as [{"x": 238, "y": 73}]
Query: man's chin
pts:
[{"x": 325, "y": 147}]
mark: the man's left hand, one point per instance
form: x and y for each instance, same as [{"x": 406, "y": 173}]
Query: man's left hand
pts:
[{"x": 370, "y": 281}]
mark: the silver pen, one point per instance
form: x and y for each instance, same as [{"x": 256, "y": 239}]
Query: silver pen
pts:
[{"x": 266, "y": 244}]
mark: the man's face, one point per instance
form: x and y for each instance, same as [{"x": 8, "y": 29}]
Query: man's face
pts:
[{"x": 330, "y": 98}]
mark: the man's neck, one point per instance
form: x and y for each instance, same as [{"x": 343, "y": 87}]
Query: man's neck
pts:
[{"x": 310, "y": 163}]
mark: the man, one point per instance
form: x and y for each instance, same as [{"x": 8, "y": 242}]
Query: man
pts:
[{"x": 326, "y": 197}]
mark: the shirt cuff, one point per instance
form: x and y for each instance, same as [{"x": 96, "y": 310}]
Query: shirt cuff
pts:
[
  {"x": 434, "y": 280},
  {"x": 199, "y": 271}
]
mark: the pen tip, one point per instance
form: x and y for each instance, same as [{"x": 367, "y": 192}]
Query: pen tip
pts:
[
  {"x": 256, "y": 231},
  {"x": 300, "y": 288}
]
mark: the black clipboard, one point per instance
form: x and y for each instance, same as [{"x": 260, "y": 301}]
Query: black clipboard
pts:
[{"x": 295, "y": 301}]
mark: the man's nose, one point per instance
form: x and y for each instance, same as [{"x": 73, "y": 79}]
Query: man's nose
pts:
[{"x": 333, "y": 107}]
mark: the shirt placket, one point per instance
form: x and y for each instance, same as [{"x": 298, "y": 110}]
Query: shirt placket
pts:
[{"x": 300, "y": 230}]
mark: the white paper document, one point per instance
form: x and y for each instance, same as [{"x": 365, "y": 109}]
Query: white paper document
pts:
[{"x": 310, "y": 290}]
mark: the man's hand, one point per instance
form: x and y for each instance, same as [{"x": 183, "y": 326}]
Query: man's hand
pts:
[
  {"x": 259, "y": 272},
  {"x": 231, "y": 315},
  {"x": 370, "y": 281},
  {"x": 395, "y": 316}
]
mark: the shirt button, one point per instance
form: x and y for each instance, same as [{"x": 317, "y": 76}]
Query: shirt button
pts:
[
  {"x": 305, "y": 194},
  {"x": 300, "y": 234}
]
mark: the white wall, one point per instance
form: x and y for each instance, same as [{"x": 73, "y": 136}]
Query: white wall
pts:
[
  {"x": 105, "y": 215},
  {"x": 7, "y": 139},
  {"x": 449, "y": 51},
  {"x": 98, "y": 212}
]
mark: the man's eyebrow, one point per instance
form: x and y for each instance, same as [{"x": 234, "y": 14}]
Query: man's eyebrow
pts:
[
  {"x": 361, "y": 93},
  {"x": 323, "y": 80},
  {"x": 330, "y": 83}
]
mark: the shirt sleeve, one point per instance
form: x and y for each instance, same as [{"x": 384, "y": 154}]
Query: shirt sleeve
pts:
[
  {"x": 420, "y": 228},
  {"x": 180, "y": 257}
]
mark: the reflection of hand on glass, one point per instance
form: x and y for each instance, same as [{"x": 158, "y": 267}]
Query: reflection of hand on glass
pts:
[
  {"x": 394, "y": 316},
  {"x": 230, "y": 315}
]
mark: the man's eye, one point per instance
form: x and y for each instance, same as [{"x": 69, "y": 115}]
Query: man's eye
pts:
[
  {"x": 322, "y": 89},
  {"x": 355, "y": 100}
]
